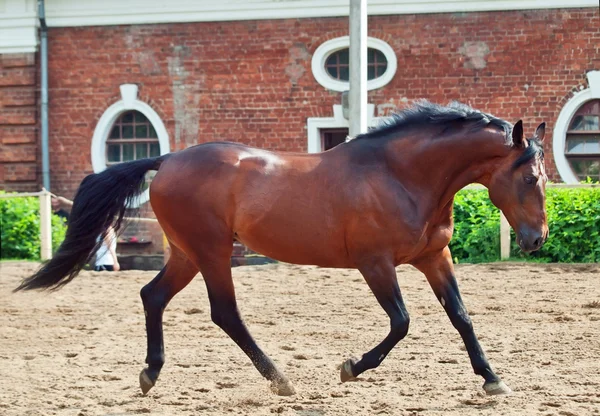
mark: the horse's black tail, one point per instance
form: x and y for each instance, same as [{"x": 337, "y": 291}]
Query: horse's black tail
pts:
[{"x": 99, "y": 203}]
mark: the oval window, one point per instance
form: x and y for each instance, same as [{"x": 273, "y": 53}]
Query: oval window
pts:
[
  {"x": 331, "y": 64},
  {"x": 337, "y": 64}
]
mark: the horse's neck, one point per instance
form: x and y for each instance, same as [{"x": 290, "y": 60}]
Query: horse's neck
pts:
[{"x": 442, "y": 166}]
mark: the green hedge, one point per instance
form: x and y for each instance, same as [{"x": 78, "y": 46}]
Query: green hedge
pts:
[
  {"x": 20, "y": 228},
  {"x": 476, "y": 236},
  {"x": 573, "y": 218}
]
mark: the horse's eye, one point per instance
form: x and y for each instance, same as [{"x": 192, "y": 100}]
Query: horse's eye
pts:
[{"x": 529, "y": 180}]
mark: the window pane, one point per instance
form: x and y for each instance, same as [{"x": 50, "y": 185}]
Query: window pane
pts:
[
  {"x": 380, "y": 57},
  {"x": 140, "y": 118},
  {"x": 371, "y": 55},
  {"x": 115, "y": 133},
  {"x": 575, "y": 146},
  {"x": 594, "y": 168},
  {"x": 332, "y": 60},
  {"x": 578, "y": 167},
  {"x": 332, "y": 70},
  {"x": 583, "y": 143},
  {"x": 127, "y": 132},
  {"x": 127, "y": 117},
  {"x": 113, "y": 153},
  {"x": 370, "y": 72},
  {"x": 141, "y": 150},
  {"x": 152, "y": 133},
  {"x": 585, "y": 123},
  {"x": 381, "y": 69},
  {"x": 344, "y": 56},
  {"x": 154, "y": 149},
  {"x": 127, "y": 151},
  {"x": 344, "y": 73},
  {"x": 592, "y": 146},
  {"x": 141, "y": 132}
]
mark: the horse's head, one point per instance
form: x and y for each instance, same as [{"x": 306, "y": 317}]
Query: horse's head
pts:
[{"x": 518, "y": 188}]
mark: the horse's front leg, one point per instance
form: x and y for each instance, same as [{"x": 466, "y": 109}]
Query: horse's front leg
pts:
[
  {"x": 439, "y": 271},
  {"x": 380, "y": 275}
]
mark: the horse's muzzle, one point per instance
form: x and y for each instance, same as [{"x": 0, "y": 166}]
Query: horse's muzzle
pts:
[{"x": 530, "y": 240}]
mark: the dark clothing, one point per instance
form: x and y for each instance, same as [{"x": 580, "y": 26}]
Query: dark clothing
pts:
[
  {"x": 104, "y": 267},
  {"x": 63, "y": 214}
]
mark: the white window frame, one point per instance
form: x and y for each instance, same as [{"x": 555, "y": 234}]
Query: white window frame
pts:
[
  {"x": 128, "y": 102},
  {"x": 331, "y": 46},
  {"x": 315, "y": 124},
  {"x": 562, "y": 125}
]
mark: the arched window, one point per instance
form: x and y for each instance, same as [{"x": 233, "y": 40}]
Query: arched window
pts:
[
  {"x": 131, "y": 137},
  {"x": 583, "y": 141},
  {"x": 576, "y": 133},
  {"x": 128, "y": 130}
]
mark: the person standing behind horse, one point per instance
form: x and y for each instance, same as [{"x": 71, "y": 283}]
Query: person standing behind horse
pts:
[{"x": 106, "y": 257}]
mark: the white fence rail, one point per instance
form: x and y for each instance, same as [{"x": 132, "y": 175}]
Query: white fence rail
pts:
[{"x": 46, "y": 215}]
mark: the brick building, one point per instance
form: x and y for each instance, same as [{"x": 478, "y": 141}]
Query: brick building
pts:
[{"x": 131, "y": 79}]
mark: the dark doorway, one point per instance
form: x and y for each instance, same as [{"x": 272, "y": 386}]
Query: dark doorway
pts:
[{"x": 332, "y": 137}]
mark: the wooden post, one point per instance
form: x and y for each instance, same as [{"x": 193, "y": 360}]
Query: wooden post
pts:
[
  {"x": 45, "y": 225},
  {"x": 504, "y": 237}
]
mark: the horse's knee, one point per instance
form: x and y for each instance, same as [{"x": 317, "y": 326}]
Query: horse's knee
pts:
[
  {"x": 225, "y": 318},
  {"x": 221, "y": 318},
  {"x": 463, "y": 323},
  {"x": 400, "y": 325},
  {"x": 152, "y": 298}
]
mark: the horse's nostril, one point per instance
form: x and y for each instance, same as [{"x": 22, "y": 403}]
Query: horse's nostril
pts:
[{"x": 538, "y": 242}]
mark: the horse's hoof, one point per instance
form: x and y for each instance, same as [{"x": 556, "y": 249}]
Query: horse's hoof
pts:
[
  {"x": 346, "y": 370},
  {"x": 146, "y": 382},
  {"x": 282, "y": 388},
  {"x": 496, "y": 388}
]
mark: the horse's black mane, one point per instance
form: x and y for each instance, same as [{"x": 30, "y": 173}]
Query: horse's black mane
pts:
[
  {"x": 428, "y": 113},
  {"x": 451, "y": 116}
]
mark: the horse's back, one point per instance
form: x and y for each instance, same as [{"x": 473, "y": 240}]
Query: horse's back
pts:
[{"x": 274, "y": 202}]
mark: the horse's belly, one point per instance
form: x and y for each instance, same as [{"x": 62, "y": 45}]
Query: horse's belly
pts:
[{"x": 296, "y": 242}]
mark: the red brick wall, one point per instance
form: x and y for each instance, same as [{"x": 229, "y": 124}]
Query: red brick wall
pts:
[
  {"x": 18, "y": 123},
  {"x": 251, "y": 81}
]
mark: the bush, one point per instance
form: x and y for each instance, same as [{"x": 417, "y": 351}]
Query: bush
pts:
[
  {"x": 476, "y": 228},
  {"x": 573, "y": 219},
  {"x": 574, "y": 222},
  {"x": 20, "y": 228}
]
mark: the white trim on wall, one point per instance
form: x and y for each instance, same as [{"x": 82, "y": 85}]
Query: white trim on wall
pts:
[
  {"x": 343, "y": 42},
  {"x": 128, "y": 102},
  {"x": 562, "y": 124},
  {"x": 18, "y": 18},
  {"x": 117, "y": 12},
  {"x": 315, "y": 124},
  {"x": 18, "y": 26}
]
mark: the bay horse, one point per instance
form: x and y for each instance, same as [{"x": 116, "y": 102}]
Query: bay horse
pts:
[{"x": 377, "y": 201}]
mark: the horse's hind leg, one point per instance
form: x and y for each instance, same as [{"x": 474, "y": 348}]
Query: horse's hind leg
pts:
[
  {"x": 178, "y": 272},
  {"x": 439, "y": 271},
  {"x": 381, "y": 277},
  {"x": 215, "y": 267}
]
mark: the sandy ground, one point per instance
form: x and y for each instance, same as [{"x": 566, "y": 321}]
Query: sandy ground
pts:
[{"x": 79, "y": 351}]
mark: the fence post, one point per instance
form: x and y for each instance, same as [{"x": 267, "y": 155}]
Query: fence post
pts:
[
  {"x": 504, "y": 237},
  {"x": 45, "y": 225}
]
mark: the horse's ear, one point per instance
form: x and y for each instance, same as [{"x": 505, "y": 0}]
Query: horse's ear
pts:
[
  {"x": 517, "y": 134},
  {"x": 540, "y": 132}
]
